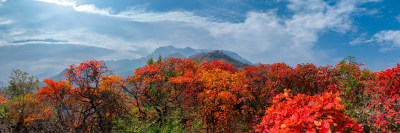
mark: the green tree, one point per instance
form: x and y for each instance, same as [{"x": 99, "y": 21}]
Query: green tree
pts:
[
  {"x": 150, "y": 61},
  {"x": 20, "y": 84}
]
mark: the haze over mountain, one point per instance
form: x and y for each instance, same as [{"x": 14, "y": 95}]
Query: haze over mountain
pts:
[
  {"x": 45, "y": 60},
  {"x": 125, "y": 67}
]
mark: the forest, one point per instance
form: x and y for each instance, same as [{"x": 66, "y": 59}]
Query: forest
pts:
[{"x": 181, "y": 95}]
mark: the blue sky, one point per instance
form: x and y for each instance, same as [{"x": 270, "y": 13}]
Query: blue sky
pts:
[{"x": 292, "y": 31}]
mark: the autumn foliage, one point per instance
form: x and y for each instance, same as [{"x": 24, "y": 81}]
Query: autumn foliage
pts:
[
  {"x": 181, "y": 95},
  {"x": 386, "y": 103},
  {"x": 304, "y": 113},
  {"x": 218, "y": 99}
]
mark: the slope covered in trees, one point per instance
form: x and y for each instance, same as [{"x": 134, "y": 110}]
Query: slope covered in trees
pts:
[{"x": 180, "y": 95}]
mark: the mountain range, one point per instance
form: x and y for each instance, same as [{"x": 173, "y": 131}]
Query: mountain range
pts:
[
  {"x": 125, "y": 67},
  {"x": 217, "y": 56}
]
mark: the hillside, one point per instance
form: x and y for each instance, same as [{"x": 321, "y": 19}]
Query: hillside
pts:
[{"x": 218, "y": 55}]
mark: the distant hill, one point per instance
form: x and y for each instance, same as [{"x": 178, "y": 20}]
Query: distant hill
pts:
[
  {"x": 125, "y": 67},
  {"x": 171, "y": 51},
  {"x": 218, "y": 56}
]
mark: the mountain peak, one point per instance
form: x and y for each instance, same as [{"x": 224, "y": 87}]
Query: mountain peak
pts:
[
  {"x": 167, "y": 51},
  {"x": 124, "y": 67},
  {"x": 217, "y": 55}
]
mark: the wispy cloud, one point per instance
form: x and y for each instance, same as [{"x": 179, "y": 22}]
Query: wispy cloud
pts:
[
  {"x": 4, "y": 21},
  {"x": 60, "y": 2},
  {"x": 133, "y": 14},
  {"x": 388, "y": 40},
  {"x": 74, "y": 36},
  {"x": 80, "y": 8}
]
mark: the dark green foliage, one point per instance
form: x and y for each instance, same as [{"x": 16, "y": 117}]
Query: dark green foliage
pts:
[
  {"x": 354, "y": 83},
  {"x": 150, "y": 61},
  {"x": 130, "y": 123}
]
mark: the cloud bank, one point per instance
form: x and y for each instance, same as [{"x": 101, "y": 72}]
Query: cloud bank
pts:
[{"x": 262, "y": 36}]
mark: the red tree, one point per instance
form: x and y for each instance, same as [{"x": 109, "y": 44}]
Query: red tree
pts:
[{"x": 303, "y": 113}]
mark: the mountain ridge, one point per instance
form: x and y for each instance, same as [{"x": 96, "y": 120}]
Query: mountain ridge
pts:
[
  {"x": 125, "y": 67},
  {"x": 218, "y": 55}
]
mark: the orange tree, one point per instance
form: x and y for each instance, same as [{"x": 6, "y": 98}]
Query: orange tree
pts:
[
  {"x": 27, "y": 114},
  {"x": 218, "y": 99},
  {"x": 94, "y": 94},
  {"x": 113, "y": 100},
  {"x": 3, "y": 101},
  {"x": 303, "y": 113},
  {"x": 15, "y": 111},
  {"x": 59, "y": 95},
  {"x": 67, "y": 106}
]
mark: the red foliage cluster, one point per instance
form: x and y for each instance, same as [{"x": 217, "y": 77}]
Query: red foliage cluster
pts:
[
  {"x": 3, "y": 99},
  {"x": 218, "y": 65},
  {"x": 387, "y": 100},
  {"x": 95, "y": 101},
  {"x": 304, "y": 113},
  {"x": 54, "y": 91}
]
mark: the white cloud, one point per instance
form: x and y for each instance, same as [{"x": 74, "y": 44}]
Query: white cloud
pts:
[
  {"x": 263, "y": 36},
  {"x": 92, "y": 9},
  {"x": 5, "y": 22},
  {"x": 389, "y": 39},
  {"x": 60, "y": 2},
  {"x": 286, "y": 39},
  {"x": 133, "y": 14},
  {"x": 80, "y": 8},
  {"x": 358, "y": 41},
  {"x": 177, "y": 16},
  {"x": 78, "y": 37}
]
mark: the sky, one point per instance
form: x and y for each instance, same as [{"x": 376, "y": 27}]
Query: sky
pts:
[{"x": 267, "y": 31}]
